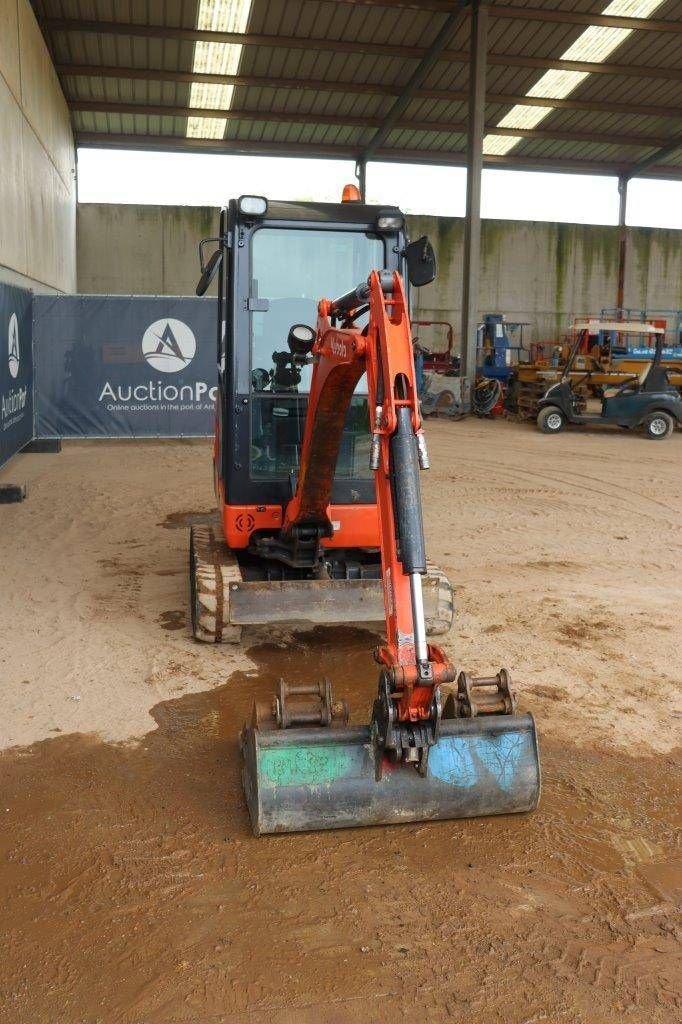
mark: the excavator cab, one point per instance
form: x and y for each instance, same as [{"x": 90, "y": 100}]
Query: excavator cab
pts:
[
  {"x": 274, "y": 261},
  {"x": 278, "y": 259}
]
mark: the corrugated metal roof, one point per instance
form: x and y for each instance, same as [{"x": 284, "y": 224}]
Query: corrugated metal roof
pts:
[{"x": 329, "y": 72}]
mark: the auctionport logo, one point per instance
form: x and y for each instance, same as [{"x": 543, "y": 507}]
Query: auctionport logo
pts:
[
  {"x": 13, "y": 404},
  {"x": 168, "y": 345},
  {"x": 13, "y": 346}
]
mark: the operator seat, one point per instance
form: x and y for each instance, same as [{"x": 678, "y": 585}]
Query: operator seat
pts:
[{"x": 635, "y": 385}]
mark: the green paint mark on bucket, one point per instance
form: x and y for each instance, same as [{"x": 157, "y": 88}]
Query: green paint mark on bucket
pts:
[{"x": 304, "y": 766}]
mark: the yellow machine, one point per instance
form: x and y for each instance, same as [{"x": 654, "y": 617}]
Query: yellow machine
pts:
[{"x": 595, "y": 364}]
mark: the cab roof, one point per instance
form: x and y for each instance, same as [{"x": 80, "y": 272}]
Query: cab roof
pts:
[{"x": 329, "y": 213}]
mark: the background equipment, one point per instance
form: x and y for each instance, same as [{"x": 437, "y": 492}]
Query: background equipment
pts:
[
  {"x": 645, "y": 400},
  {"x": 442, "y": 359},
  {"x": 500, "y": 347},
  {"x": 600, "y": 352}
]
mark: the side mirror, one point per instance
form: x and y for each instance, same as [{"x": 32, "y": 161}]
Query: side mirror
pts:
[
  {"x": 421, "y": 262},
  {"x": 301, "y": 340},
  {"x": 208, "y": 272}
]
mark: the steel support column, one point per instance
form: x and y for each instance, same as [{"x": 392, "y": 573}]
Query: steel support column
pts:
[
  {"x": 472, "y": 224},
  {"x": 622, "y": 238},
  {"x": 361, "y": 175}
]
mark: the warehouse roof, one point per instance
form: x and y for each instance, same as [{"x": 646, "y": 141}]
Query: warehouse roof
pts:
[{"x": 323, "y": 77}]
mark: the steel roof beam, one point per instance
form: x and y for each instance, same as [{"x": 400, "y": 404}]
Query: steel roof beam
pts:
[
  {"x": 445, "y": 6},
  {"x": 471, "y": 248},
  {"x": 584, "y": 18},
  {"x": 193, "y": 35},
  {"x": 363, "y": 88},
  {"x": 591, "y": 67},
  {"x": 532, "y": 14},
  {"x": 654, "y": 160},
  {"x": 348, "y": 121},
  {"x": 451, "y": 24},
  {"x": 515, "y": 161},
  {"x": 346, "y": 46}
]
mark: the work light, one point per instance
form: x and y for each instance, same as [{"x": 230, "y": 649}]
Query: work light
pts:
[
  {"x": 253, "y": 206},
  {"x": 390, "y": 221}
]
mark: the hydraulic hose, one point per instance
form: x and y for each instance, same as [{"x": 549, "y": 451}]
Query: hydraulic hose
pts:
[{"x": 486, "y": 396}]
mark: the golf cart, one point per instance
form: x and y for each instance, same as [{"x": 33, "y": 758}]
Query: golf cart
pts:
[{"x": 645, "y": 400}]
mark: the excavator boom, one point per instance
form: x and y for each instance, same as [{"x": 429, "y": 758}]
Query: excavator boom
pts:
[{"x": 432, "y": 749}]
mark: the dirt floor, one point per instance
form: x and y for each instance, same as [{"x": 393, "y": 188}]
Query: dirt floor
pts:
[{"x": 131, "y": 888}]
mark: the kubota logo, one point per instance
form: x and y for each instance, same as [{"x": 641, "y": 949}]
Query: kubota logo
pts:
[
  {"x": 13, "y": 346},
  {"x": 338, "y": 348},
  {"x": 245, "y": 522},
  {"x": 168, "y": 345}
]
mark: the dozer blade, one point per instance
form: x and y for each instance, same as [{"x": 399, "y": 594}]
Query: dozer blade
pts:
[
  {"x": 301, "y": 779},
  {"x": 222, "y": 601}
]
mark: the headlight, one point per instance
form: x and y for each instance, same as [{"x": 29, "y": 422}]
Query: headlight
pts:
[
  {"x": 301, "y": 340},
  {"x": 390, "y": 221},
  {"x": 253, "y": 206}
]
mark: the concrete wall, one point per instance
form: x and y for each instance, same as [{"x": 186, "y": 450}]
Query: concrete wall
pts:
[
  {"x": 546, "y": 273},
  {"x": 536, "y": 272},
  {"x": 37, "y": 160},
  {"x": 142, "y": 250}
]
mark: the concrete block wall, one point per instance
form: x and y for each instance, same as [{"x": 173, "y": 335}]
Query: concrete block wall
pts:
[
  {"x": 653, "y": 272},
  {"x": 37, "y": 160},
  {"x": 541, "y": 273},
  {"x": 544, "y": 274},
  {"x": 142, "y": 250}
]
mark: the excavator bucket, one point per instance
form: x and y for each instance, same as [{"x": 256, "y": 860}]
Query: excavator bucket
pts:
[{"x": 303, "y": 779}]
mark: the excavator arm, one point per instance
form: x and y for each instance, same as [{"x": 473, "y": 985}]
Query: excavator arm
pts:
[
  {"x": 407, "y": 711},
  {"x": 426, "y": 753}
]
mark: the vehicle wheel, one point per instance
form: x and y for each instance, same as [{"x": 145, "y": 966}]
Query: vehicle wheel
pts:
[
  {"x": 550, "y": 420},
  {"x": 658, "y": 426}
]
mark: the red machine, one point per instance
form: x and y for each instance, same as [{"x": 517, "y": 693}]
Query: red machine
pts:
[
  {"x": 440, "y": 361},
  {"x": 321, "y": 521},
  {"x": 422, "y": 756}
]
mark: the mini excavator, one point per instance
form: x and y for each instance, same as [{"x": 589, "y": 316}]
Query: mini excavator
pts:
[{"x": 439, "y": 744}]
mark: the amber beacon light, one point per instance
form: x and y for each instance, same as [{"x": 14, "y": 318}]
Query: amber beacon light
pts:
[{"x": 351, "y": 194}]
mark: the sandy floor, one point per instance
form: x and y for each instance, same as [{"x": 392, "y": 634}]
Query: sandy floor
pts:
[{"x": 131, "y": 888}]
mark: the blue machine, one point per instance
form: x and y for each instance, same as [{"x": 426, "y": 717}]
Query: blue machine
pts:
[
  {"x": 672, "y": 350},
  {"x": 497, "y": 356}
]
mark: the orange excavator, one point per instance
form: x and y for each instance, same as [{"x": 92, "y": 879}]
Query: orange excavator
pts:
[{"x": 439, "y": 744}]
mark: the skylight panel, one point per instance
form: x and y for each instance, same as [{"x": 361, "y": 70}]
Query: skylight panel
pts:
[
  {"x": 595, "y": 45},
  {"x": 216, "y": 59}
]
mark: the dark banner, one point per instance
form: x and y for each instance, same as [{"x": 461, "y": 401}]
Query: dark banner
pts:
[
  {"x": 16, "y": 370},
  {"x": 124, "y": 366}
]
